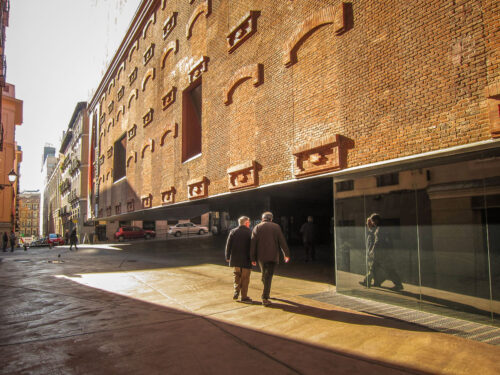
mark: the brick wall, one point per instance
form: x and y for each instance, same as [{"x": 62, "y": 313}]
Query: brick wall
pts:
[{"x": 393, "y": 78}]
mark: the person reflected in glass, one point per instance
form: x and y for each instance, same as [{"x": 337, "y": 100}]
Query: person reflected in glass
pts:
[
  {"x": 308, "y": 236},
  {"x": 379, "y": 261}
]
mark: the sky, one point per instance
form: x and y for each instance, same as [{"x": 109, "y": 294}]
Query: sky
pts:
[{"x": 57, "y": 52}]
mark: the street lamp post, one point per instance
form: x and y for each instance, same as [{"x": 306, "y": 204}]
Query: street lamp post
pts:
[{"x": 12, "y": 178}]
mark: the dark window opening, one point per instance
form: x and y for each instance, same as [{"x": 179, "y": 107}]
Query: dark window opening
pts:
[
  {"x": 119, "y": 160},
  {"x": 345, "y": 185},
  {"x": 388, "y": 179},
  {"x": 191, "y": 121}
]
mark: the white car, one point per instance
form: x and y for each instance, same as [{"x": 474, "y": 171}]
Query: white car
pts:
[{"x": 187, "y": 228}]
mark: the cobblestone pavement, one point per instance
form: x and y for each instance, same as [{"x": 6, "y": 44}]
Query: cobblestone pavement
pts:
[{"x": 165, "y": 307}]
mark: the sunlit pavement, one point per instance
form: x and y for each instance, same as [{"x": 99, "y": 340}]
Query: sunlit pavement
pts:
[{"x": 165, "y": 307}]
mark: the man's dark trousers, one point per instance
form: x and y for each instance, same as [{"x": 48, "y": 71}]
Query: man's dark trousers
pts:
[{"x": 267, "y": 270}]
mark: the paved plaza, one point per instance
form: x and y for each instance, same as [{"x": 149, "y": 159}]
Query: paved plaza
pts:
[{"x": 165, "y": 307}]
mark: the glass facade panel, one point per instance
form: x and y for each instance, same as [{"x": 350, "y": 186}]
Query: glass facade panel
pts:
[{"x": 434, "y": 241}]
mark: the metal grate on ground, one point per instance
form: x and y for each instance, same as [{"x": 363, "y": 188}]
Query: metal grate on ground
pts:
[{"x": 439, "y": 323}]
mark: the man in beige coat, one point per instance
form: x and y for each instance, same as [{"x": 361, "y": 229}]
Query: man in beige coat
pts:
[{"x": 267, "y": 241}]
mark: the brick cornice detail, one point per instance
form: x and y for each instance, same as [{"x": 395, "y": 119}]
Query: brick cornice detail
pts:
[
  {"x": 205, "y": 7},
  {"x": 121, "y": 111},
  {"x": 198, "y": 68},
  {"x": 168, "y": 196},
  {"x": 254, "y": 72},
  {"x": 169, "y": 98},
  {"x": 197, "y": 188},
  {"x": 132, "y": 132},
  {"x": 169, "y": 25},
  {"x": 245, "y": 29},
  {"x": 172, "y": 46},
  {"x": 169, "y": 129},
  {"x": 320, "y": 156},
  {"x": 338, "y": 15},
  {"x": 134, "y": 48},
  {"x": 243, "y": 176}
]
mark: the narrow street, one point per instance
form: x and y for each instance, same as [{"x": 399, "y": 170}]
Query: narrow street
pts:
[{"x": 156, "y": 307}]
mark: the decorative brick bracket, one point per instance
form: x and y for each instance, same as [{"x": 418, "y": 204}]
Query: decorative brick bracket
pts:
[
  {"x": 168, "y": 196},
  {"x": 148, "y": 55},
  {"x": 169, "y": 25},
  {"x": 147, "y": 201},
  {"x": 132, "y": 132},
  {"x": 150, "y": 74},
  {"x": 118, "y": 208},
  {"x": 169, "y": 98},
  {"x": 148, "y": 117},
  {"x": 169, "y": 129},
  {"x": 133, "y": 94},
  {"x": 173, "y": 46},
  {"x": 121, "y": 111},
  {"x": 254, "y": 72},
  {"x": 339, "y": 15},
  {"x": 198, "y": 188},
  {"x": 149, "y": 144},
  {"x": 205, "y": 7},
  {"x": 151, "y": 21},
  {"x": 132, "y": 76},
  {"x": 243, "y": 176},
  {"x": 134, "y": 48},
  {"x": 320, "y": 156},
  {"x": 132, "y": 158},
  {"x": 130, "y": 205},
  {"x": 245, "y": 29},
  {"x": 108, "y": 211},
  {"x": 120, "y": 93},
  {"x": 198, "y": 68},
  {"x": 492, "y": 92},
  {"x": 121, "y": 69},
  {"x": 109, "y": 153},
  {"x": 111, "y": 106}
]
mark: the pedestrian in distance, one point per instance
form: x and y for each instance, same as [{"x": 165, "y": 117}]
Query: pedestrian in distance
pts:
[
  {"x": 12, "y": 239},
  {"x": 5, "y": 241},
  {"x": 66, "y": 237},
  {"x": 267, "y": 242},
  {"x": 73, "y": 239},
  {"x": 379, "y": 261},
  {"x": 308, "y": 238},
  {"x": 238, "y": 256}
]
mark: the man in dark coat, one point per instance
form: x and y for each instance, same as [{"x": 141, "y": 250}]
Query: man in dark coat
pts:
[
  {"x": 73, "y": 239},
  {"x": 5, "y": 241},
  {"x": 12, "y": 240},
  {"x": 308, "y": 233},
  {"x": 238, "y": 255},
  {"x": 267, "y": 241}
]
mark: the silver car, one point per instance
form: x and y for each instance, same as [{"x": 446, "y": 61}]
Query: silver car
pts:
[{"x": 187, "y": 228}]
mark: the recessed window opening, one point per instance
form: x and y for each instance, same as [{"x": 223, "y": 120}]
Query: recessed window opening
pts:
[
  {"x": 191, "y": 120},
  {"x": 119, "y": 159}
]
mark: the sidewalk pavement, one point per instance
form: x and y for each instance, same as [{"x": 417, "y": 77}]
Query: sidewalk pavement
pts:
[{"x": 157, "y": 308}]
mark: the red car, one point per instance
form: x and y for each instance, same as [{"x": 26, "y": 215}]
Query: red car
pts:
[
  {"x": 127, "y": 232},
  {"x": 55, "y": 239}
]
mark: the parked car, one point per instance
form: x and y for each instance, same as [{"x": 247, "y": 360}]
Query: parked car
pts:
[
  {"x": 43, "y": 241},
  {"x": 187, "y": 228},
  {"x": 55, "y": 239},
  {"x": 129, "y": 232}
]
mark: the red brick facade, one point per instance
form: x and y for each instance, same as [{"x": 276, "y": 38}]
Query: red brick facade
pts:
[{"x": 365, "y": 81}]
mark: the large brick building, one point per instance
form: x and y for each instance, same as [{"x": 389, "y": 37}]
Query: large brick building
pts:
[{"x": 241, "y": 106}]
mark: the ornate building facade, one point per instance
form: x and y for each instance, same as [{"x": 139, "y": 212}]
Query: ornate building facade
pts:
[{"x": 326, "y": 108}]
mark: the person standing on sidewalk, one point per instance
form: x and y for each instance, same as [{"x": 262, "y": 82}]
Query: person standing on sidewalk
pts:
[
  {"x": 12, "y": 239},
  {"x": 308, "y": 236},
  {"x": 238, "y": 256},
  {"x": 73, "y": 239},
  {"x": 267, "y": 241},
  {"x": 5, "y": 241}
]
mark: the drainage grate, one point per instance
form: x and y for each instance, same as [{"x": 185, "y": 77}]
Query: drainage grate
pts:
[{"x": 458, "y": 327}]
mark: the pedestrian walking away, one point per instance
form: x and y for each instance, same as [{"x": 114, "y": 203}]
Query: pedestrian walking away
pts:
[
  {"x": 73, "y": 239},
  {"x": 12, "y": 239},
  {"x": 266, "y": 244},
  {"x": 238, "y": 256},
  {"x": 308, "y": 232},
  {"x": 5, "y": 241}
]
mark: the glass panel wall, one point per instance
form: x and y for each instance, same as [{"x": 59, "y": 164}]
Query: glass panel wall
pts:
[{"x": 426, "y": 235}]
